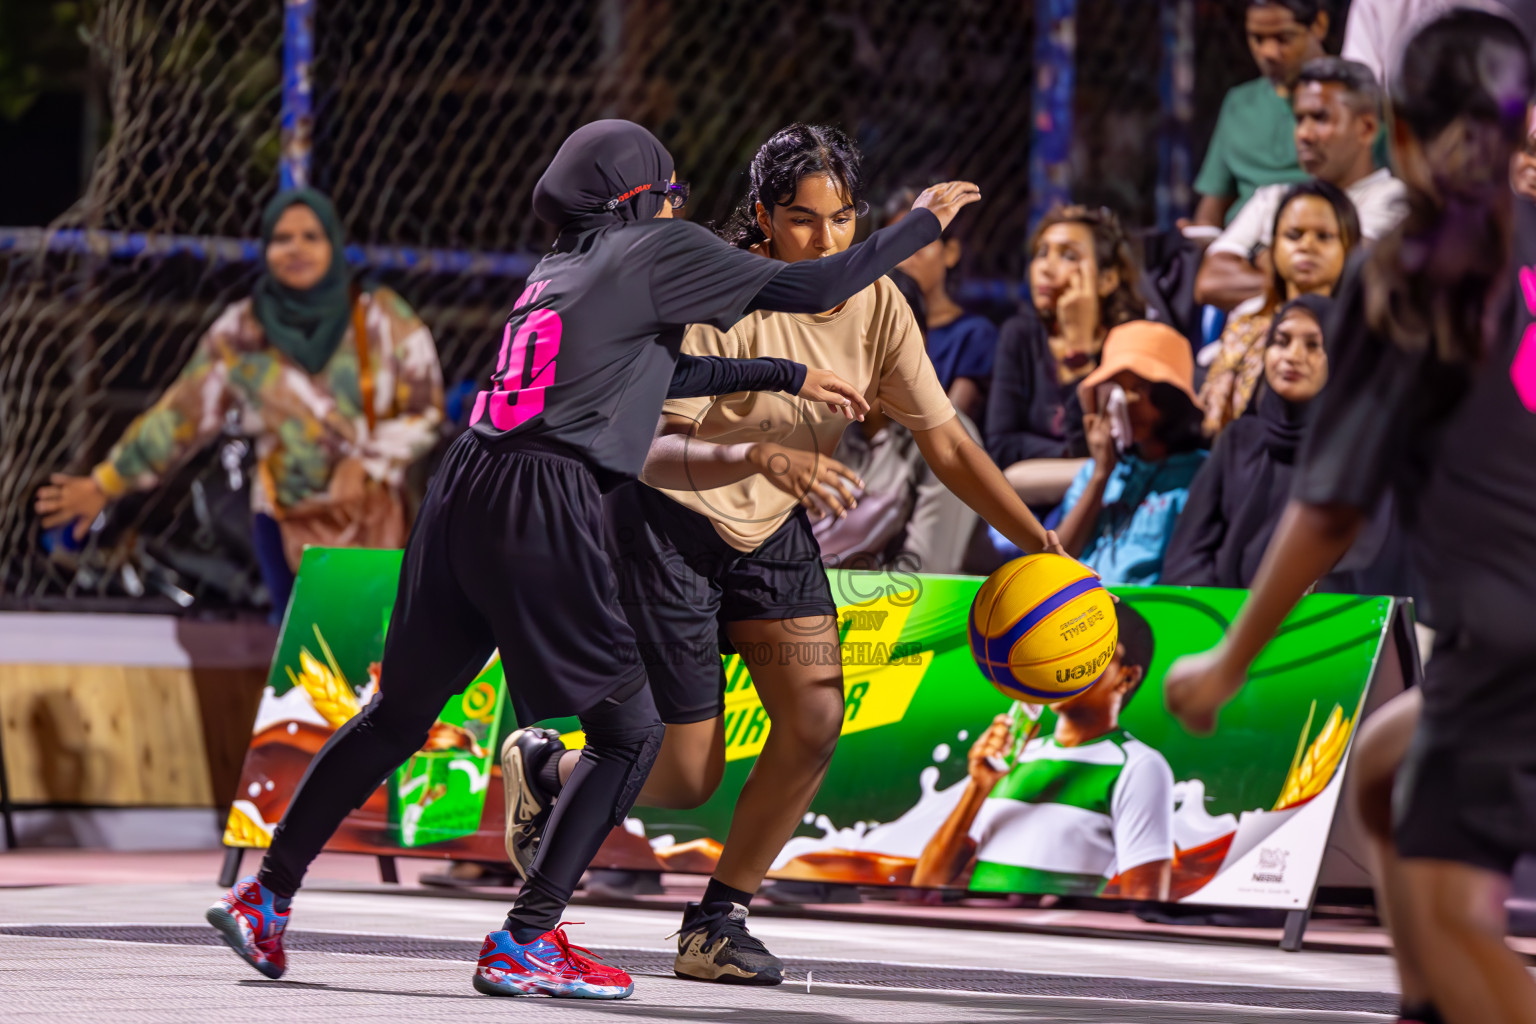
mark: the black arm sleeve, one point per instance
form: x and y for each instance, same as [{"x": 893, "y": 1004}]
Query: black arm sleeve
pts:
[
  {"x": 814, "y": 286},
  {"x": 703, "y": 376},
  {"x": 1012, "y": 435}
]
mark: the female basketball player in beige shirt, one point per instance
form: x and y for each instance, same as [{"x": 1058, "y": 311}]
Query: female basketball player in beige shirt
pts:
[{"x": 720, "y": 542}]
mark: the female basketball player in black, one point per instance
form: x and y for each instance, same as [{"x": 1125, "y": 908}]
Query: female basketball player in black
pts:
[
  {"x": 1435, "y": 400},
  {"x": 507, "y": 551},
  {"x": 724, "y": 547}
]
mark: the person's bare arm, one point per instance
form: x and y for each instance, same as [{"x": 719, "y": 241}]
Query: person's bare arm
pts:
[
  {"x": 1308, "y": 543},
  {"x": 1211, "y": 211},
  {"x": 679, "y": 461},
  {"x": 1150, "y": 881},
  {"x": 962, "y": 466},
  {"x": 952, "y": 849},
  {"x": 1227, "y": 280}
]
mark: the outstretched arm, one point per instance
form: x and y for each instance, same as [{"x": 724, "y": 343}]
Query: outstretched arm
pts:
[
  {"x": 965, "y": 469},
  {"x": 185, "y": 417},
  {"x": 814, "y": 286}
]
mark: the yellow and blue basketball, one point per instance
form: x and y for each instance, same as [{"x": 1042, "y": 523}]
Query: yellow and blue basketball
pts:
[{"x": 1043, "y": 628}]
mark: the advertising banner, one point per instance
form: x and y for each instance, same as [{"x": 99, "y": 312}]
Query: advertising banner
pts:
[{"x": 938, "y": 780}]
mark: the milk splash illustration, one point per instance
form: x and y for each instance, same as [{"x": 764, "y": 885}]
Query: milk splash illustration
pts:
[{"x": 1193, "y": 825}]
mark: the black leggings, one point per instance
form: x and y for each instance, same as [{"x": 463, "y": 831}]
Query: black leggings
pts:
[
  {"x": 623, "y": 736},
  {"x": 506, "y": 554}
]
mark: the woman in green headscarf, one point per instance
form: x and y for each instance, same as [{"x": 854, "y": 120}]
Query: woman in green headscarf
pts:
[{"x": 336, "y": 422}]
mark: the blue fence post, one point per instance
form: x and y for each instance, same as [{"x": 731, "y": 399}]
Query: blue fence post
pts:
[
  {"x": 1176, "y": 86},
  {"x": 298, "y": 115},
  {"x": 1050, "y": 150}
]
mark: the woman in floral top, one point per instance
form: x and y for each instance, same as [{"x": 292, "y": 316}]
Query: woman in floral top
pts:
[
  {"x": 1315, "y": 230},
  {"x": 336, "y": 423}
]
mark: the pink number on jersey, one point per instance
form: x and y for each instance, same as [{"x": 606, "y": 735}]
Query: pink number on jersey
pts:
[
  {"x": 536, "y": 343},
  {"x": 1522, "y": 372}
]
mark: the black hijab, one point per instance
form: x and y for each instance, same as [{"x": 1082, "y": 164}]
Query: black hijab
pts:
[
  {"x": 606, "y": 173},
  {"x": 1236, "y": 499},
  {"x": 1286, "y": 422},
  {"x": 307, "y": 325}
]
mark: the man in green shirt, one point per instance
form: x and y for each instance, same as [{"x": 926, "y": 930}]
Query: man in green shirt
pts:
[{"x": 1253, "y": 143}]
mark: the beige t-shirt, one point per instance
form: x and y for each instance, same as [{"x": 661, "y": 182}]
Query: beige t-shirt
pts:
[{"x": 872, "y": 342}]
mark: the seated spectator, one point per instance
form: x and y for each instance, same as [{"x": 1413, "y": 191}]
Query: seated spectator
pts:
[
  {"x": 1338, "y": 117},
  {"x": 1143, "y": 430},
  {"x": 1082, "y": 282},
  {"x": 337, "y": 418},
  {"x": 905, "y": 518},
  {"x": 1252, "y": 144},
  {"x": 960, "y": 345},
  {"x": 1238, "y": 496},
  {"x": 1315, "y": 229}
]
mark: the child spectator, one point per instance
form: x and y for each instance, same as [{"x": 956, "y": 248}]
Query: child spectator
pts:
[
  {"x": 1083, "y": 281},
  {"x": 1338, "y": 117},
  {"x": 1143, "y": 430},
  {"x": 960, "y": 345},
  {"x": 1252, "y": 144},
  {"x": 1315, "y": 229}
]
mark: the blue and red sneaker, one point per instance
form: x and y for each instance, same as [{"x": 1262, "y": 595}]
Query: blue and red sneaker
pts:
[
  {"x": 550, "y": 965},
  {"x": 248, "y": 919}
]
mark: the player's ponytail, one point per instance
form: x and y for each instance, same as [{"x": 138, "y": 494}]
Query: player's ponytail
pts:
[
  {"x": 794, "y": 153},
  {"x": 1462, "y": 94}
]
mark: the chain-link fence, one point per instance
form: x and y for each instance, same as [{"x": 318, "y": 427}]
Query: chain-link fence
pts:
[{"x": 431, "y": 123}]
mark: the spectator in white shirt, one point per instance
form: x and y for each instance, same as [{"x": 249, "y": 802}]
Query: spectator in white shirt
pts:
[
  {"x": 1337, "y": 104},
  {"x": 1377, "y": 30}
]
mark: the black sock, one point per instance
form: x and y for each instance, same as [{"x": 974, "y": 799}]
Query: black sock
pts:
[
  {"x": 522, "y": 934},
  {"x": 547, "y": 775},
  {"x": 718, "y": 892},
  {"x": 1423, "y": 1013}
]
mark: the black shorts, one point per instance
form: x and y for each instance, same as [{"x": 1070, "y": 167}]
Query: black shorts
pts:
[
  {"x": 680, "y": 583},
  {"x": 1467, "y": 788},
  {"x": 507, "y": 554}
]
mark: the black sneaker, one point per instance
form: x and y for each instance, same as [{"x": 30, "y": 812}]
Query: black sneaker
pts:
[
  {"x": 714, "y": 945},
  {"x": 526, "y": 802}
]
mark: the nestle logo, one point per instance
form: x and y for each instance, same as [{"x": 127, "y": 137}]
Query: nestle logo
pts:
[{"x": 1271, "y": 865}]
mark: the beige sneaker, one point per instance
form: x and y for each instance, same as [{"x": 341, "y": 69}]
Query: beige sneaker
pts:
[
  {"x": 714, "y": 945},
  {"x": 527, "y": 807}
]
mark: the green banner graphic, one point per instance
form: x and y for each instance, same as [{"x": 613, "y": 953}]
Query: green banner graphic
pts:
[{"x": 1080, "y": 799}]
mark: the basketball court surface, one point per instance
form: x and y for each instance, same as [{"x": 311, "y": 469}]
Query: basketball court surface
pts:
[{"x": 121, "y": 938}]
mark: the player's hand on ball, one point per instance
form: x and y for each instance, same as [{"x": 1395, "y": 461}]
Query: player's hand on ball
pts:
[
  {"x": 1197, "y": 686},
  {"x": 838, "y": 394},
  {"x": 823, "y": 485},
  {"x": 947, "y": 199},
  {"x": 987, "y": 753},
  {"x": 1053, "y": 545}
]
